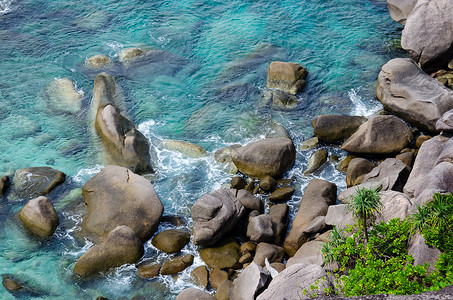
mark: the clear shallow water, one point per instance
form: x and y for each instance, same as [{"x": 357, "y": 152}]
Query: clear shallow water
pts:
[{"x": 205, "y": 89}]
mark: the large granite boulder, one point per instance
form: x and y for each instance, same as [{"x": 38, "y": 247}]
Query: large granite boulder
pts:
[
  {"x": 62, "y": 96},
  {"x": 124, "y": 144},
  {"x": 340, "y": 216},
  {"x": 422, "y": 253},
  {"x": 122, "y": 246},
  {"x": 317, "y": 197},
  {"x": 394, "y": 205},
  {"x": 116, "y": 196},
  {"x": 379, "y": 135},
  {"x": 445, "y": 123},
  {"x": 286, "y": 77},
  {"x": 308, "y": 253},
  {"x": 336, "y": 128},
  {"x": 223, "y": 256},
  {"x": 391, "y": 174},
  {"x": 214, "y": 215},
  {"x": 36, "y": 181},
  {"x": 171, "y": 240},
  {"x": 259, "y": 229},
  {"x": 250, "y": 283},
  {"x": 413, "y": 95},
  {"x": 291, "y": 282},
  {"x": 432, "y": 171},
  {"x": 39, "y": 217},
  {"x": 268, "y": 157},
  {"x": 194, "y": 294},
  {"x": 428, "y": 33},
  {"x": 400, "y": 9}
]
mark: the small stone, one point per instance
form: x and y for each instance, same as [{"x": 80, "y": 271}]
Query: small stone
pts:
[
  {"x": 250, "y": 187},
  {"x": 256, "y": 189},
  {"x": 176, "y": 265},
  {"x": 308, "y": 144},
  {"x": 216, "y": 277},
  {"x": 238, "y": 183},
  {"x": 249, "y": 247},
  {"x": 148, "y": 270},
  {"x": 199, "y": 275},
  {"x": 246, "y": 258},
  {"x": 282, "y": 194},
  {"x": 421, "y": 139},
  {"x": 268, "y": 184},
  {"x": 272, "y": 252},
  {"x": 224, "y": 255},
  {"x": 316, "y": 161},
  {"x": 174, "y": 220}
]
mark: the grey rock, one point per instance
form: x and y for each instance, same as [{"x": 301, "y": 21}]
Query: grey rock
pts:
[
  {"x": 290, "y": 283},
  {"x": 413, "y": 95},
  {"x": 116, "y": 196},
  {"x": 286, "y": 77},
  {"x": 336, "y": 128},
  {"x": 379, "y": 135},
  {"x": 214, "y": 215},
  {"x": 407, "y": 158},
  {"x": 259, "y": 229},
  {"x": 400, "y": 9},
  {"x": 273, "y": 157},
  {"x": 121, "y": 246},
  {"x": 428, "y": 34},
  {"x": 445, "y": 123},
  {"x": 316, "y": 225},
  {"x": 273, "y": 254},
  {"x": 394, "y": 205},
  {"x": 194, "y": 294},
  {"x": 310, "y": 143},
  {"x": 340, "y": 216},
  {"x": 316, "y": 161},
  {"x": 250, "y": 282},
  {"x": 39, "y": 217},
  {"x": 357, "y": 169},
  {"x": 268, "y": 183},
  {"x": 175, "y": 265},
  {"x": 422, "y": 253},
  {"x": 279, "y": 216},
  {"x": 249, "y": 201},
  {"x": 308, "y": 253},
  {"x": 318, "y": 195}
]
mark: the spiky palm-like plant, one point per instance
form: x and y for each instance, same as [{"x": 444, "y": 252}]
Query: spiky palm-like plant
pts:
[{"x": 364, "y": 203}]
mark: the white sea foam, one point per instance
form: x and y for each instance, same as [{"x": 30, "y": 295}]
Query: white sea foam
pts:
[
  {"x": 360, "y": 109},
  {"x": 5, "y": 6},
  {"x": 84, "y": 174}
]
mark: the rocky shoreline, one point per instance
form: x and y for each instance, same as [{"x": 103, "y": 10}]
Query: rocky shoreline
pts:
[{"x": 241, "y": 231}]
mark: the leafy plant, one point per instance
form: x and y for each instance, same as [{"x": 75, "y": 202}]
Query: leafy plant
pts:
[{"x": 364, "y": 203}]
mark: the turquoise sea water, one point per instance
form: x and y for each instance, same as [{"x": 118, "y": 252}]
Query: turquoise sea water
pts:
[{"x": 206, "y": 88}]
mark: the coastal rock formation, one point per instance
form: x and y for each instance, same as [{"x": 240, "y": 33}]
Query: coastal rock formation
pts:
[
  {"x": 282, "y": 100},
  {"x": 340, "y": 216},
  {"x": 98, "y": 61},
  {"x": 394, "y": 205},
  {"x": 308, "y": 253},
  {"x": 379, "y": 135},
  {"x": 171, "y": 240},
  {"x": 214, "y": 215},
  {"x": 116, "y": 196},
  {"x": 432, "y": 171},
  {"x": 445, "y": 123},
  {"x": 391, "y": 174},
  {"x": 259, "y": 229},
  {"x": 36, "y": 181},
  {"x": 273, "y": 254},
  {"x": 428, "y": 33},
  {"x": 317, "y": 197},
  {"x": 413, "y": 95},
  {"x": 223, "y": 256},
  {"x": 400, "y": 9},
  {"x": 250, "y": 282},
  {"x": 194, "y": 294},
  {"x": 121, "y": 246},
  {"x": 286, "y": 77},
  {"x": 357, "y": 169},
  {"x": 290, "y": 283},
  {"x": 39, "y": 217},
  {"x": 125, "y": 145},
  {"x": 249, "y": 201},
  {"x": 268, "y": 157},
  {"x": 279, "y": 217},
  {"x": 421, "y": 252},
  {"x": 336, "y": 128},
  {"x": 186, "y": 148},
  {"x": 175, "y": 265},
  {"x": 316, "y": 160},
  {"x": 62, "y": 96}
]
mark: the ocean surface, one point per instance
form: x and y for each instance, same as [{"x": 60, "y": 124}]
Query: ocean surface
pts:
[{"x": 206, "y": 88}]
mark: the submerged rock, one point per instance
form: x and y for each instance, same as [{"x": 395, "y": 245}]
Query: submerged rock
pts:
[
  {"x": 121, "y": 246},
  {"x": 272, "y": 157},
  {"x": 39, "y": 217},
  {"x": 98, "y": 61},
  {"x": 127, "y": 55},
  {"x": 62, "y": 96},
  {"x": 428, "y": 34},
  {"x": 116, "y": 196},
  {"x": 186, "y": 148},
  {"x": 379, "y": 135},
  {"x": 214, "y": 215},
  {"x": 286, "y": 77},
  {"x": 413, "y": 95},
  {"x": 36, "y": 181},
  {"x": 336, "y": 128}
]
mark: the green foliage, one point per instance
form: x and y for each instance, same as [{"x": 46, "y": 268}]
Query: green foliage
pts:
[{"x": 364, "y": 203}]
